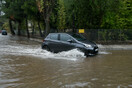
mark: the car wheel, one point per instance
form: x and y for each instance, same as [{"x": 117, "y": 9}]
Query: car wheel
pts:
[
  {"x": 86, "y": 54},
  {"x": 46, "y": 48}
]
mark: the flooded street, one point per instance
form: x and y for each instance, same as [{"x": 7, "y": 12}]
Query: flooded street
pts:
[{"x": 23, "y": 64}]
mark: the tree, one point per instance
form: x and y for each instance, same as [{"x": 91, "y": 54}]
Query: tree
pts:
[
  {"x": 61, "y": 16},
  {"x": 31, "y": 11},
  {"x": 86, "y": 14},
  {"x": 14, "y": 12},
  {"x": 46, "y": 7}
]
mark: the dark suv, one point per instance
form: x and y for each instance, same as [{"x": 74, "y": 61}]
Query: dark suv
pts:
[{"x": 57, "y": 42}]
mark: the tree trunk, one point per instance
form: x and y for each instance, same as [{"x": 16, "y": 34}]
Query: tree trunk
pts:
[
  {"x": 19, "y": 28},
  {"x": 47, "y": 24},
  {"x": 11, "y": 29},
  {"x": 73, "y": 25},
  {"x": 40, "y": 32},
  {"x": 32, "y": 29},
  {"x": 28, "y": 35}
]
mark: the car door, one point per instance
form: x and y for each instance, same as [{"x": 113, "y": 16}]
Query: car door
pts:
[
  {"x": 53, "y": 43},
  {"x": 64, "y": 44}
]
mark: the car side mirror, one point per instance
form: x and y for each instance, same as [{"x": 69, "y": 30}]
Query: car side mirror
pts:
[{"x": 69, "y": 40}]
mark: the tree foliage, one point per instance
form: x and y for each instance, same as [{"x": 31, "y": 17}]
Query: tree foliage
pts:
[
  {"x": 61, "y": 15},
  {"x": 73, "y": 14}
]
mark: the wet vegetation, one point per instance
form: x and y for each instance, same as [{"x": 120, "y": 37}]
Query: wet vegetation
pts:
[{"x": 107, "y": 19}]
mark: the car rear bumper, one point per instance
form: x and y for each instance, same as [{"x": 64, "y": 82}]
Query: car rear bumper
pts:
[{"x": 4, "y": 33}]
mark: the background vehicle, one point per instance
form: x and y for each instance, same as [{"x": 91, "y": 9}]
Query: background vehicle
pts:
[
  {"x": 4, "y": 32},
  {"x": 57, "y": 42}
]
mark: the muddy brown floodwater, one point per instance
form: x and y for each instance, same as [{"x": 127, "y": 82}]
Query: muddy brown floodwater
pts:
[{"x": 23, "y": 64}]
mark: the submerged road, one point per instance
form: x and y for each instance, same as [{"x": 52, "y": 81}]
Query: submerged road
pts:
[{"x": 23, "y": 64}]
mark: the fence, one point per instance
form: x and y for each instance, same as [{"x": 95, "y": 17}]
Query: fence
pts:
[
  {"x": 104, "y": 35},
  {"x": 108, "y": 34}
]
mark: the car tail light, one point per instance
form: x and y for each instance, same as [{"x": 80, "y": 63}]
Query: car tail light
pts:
[{"x": 43, "y": 40}]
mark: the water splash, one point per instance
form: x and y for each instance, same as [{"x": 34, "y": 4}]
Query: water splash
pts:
[
  {"x": 68, "y": 55},
  {"x": 38, "y": 52},
  {"x": 102, "y": 49},
  {"x": 104, "y": 52}
]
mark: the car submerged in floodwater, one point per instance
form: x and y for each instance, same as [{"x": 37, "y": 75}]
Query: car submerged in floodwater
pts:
[{"x": 58, "y": 42}]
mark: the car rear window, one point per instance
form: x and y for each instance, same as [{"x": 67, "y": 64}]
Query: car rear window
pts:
[
  {"x": 54, "y": 36},
  {"x": 3, "y": 30}
]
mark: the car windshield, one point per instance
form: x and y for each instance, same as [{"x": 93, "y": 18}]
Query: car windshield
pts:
[{"x": 78, "y": 37}]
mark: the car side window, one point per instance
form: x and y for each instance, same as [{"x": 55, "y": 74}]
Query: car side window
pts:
[
  {"x": 54, "y": 36},
  {"x": 64, "y": 37}
]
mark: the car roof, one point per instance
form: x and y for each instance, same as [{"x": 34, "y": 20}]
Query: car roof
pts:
[
  {"x": 3, "y": 30},
  {"x": 57, "y": 33},
  {"x": 64, "y": 33}
]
